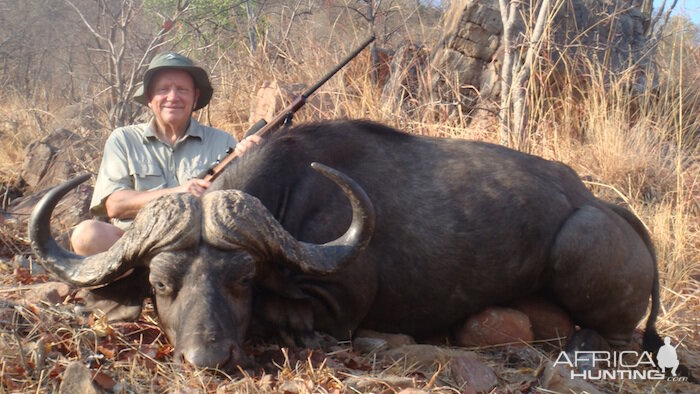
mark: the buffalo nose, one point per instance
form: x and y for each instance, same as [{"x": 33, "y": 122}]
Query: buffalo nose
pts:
[{"x": 215, "y": 356}]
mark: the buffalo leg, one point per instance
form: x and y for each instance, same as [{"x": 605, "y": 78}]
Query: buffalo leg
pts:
[{"x": 602, "y": 272}]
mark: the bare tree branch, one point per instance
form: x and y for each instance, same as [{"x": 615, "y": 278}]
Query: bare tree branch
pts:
[
  {"x": 517, "y": 73},
  {"x": 122, "y": 82}
]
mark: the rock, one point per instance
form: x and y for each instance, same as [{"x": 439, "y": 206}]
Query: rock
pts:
[
  {"x": 369, "y": 345},
  {"x": 105, "y": 381},
  {"x": 558, "y": 379},
  {"x": 48, "y": 162},
  {"x": 470, "y": 374},
  {"x": 273, "y": 97},
  {"x": 495, "y": 326},
  {"x": 71, "y": 210},
  {"x": 366, "y": 384},
  {"x": 469, "y": 55},
  {"x": 296, "y": 387},
  {"x": 49, "y": 292},
  {"x": 412, "y": 391},
  {"x": 266, "y": 103},
  {"x": 57, "y": 158},
  {"x": 548, "y": 320},
  {"x": 37, "y": 159},
  {"x": 425, "y": 355},
  {"x": 28, "y": 263},
  {"x": 392, "y": 340},
  {"x": 77, "y": 379}
]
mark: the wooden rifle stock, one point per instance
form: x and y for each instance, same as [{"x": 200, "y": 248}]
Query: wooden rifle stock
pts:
[{"x": 262, "y": 129}]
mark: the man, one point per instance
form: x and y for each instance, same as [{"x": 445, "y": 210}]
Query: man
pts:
[{"x": 145, "y": 161}]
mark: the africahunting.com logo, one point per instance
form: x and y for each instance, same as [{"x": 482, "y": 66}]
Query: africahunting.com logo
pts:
[{"x": 628, "y": 364}]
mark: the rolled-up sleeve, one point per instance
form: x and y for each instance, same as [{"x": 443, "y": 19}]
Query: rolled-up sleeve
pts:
[{"x": 112, "y": 176}]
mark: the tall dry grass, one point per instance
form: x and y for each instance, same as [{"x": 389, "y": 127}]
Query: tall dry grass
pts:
[{"x": 638, "y": 147}]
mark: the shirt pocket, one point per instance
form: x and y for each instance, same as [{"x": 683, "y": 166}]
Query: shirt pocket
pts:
[{"x": 147, "y": 177}]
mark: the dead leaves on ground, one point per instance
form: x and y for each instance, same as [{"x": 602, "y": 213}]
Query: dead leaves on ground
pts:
[{"x": 37, "y": 342}]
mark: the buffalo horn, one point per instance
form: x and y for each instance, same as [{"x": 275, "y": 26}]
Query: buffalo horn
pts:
[
  {"x": 235, "y": 219},
  {"x": 69, "y": 267}
]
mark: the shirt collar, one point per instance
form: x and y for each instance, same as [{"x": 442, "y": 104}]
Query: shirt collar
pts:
[{"x": 194, "y": 130}]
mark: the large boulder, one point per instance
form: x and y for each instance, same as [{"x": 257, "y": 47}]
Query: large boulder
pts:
[
  {"x": 466, "y": 56},
  {"x": 56, "y": 158},
  {"x": 273, "y": 97},
  {"x": 467, "y": 60},
  {"x": 59, "y": 156},
  {"x": 77, "y": 378}
]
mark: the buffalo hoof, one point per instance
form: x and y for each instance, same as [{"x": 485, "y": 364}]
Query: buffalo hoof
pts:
[{"x": 585, "y": 340}]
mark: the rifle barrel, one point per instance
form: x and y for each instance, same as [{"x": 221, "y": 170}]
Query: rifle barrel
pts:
[
  {"x": 337, "y": 68},
  {"x": 261, "y": 129}
]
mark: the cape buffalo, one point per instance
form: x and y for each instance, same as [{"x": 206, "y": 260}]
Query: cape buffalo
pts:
[{"x": 455, "y": 226}]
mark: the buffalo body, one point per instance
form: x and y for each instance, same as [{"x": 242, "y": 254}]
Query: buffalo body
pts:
[{"x": 455, "y": 226}]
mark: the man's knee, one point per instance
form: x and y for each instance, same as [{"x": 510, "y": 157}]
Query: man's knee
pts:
[{"x": 93, "y": 236}]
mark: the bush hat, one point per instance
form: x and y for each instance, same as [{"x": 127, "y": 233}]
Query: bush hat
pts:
[{"x": 172, "y": 60}]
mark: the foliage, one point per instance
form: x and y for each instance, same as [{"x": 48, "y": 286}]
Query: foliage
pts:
[{"x": 206, "y": 21}]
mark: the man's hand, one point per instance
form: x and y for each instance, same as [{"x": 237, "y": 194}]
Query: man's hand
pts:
[
  {"x": 194, "y": 186},
  {"x": 247, "y": 143}
]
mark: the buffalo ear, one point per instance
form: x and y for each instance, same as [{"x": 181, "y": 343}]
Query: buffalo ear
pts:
[
  {"x": 122, "y": 299},
  {"x": 280, "y": 302},
  {"x": 273, "y": 280}
]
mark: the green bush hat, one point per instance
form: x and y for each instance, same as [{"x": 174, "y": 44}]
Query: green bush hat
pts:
[{"x": 174, "y": 60}]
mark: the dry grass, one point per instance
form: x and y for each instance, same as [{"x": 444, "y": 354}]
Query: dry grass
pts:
[
  {"x": 20, "y": 124},
  {"x": 643, "y": 153}
]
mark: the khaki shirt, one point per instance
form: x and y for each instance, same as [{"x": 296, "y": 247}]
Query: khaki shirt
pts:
[{"x": 135, "y": 159}]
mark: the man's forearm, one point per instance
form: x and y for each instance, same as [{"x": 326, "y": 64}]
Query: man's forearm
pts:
[{"x": 125, "y": 204}]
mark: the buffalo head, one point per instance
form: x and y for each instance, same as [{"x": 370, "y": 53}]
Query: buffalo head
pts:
[{"x": 201, "y": 260}]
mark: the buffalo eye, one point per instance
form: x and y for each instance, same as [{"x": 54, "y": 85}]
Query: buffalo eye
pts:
[
  {"x": 246, "y": 281},
  {"x": 241, "y": 286},
  {"x": 161, "y": 288}
]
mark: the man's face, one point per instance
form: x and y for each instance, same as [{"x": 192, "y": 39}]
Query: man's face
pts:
[{"x": 172, "y": 98}]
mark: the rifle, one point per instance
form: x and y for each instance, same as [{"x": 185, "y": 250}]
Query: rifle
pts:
[{"x": 262, "y": 128}]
